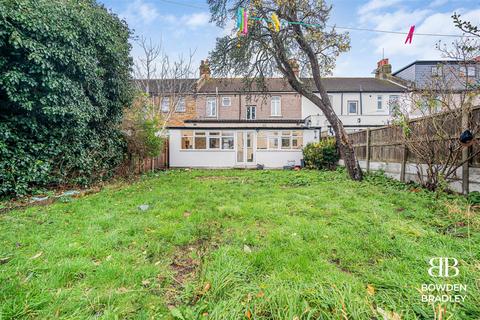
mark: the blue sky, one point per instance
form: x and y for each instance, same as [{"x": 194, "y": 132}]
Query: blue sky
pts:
[{"x": 181, "y": 28}]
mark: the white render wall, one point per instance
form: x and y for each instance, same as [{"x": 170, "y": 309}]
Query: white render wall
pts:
[
  {"x": 368, "y": 115},
  {"x": 227, "y": 158}
]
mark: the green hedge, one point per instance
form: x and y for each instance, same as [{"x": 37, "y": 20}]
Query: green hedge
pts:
[
  {"x": 322, "y": 155},
  {"x": 64, "y": 81}
]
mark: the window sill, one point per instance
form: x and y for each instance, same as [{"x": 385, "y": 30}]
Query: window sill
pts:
[
  {"x": 279, "y": 150},
  {"x": 207, "y": 150},
  {"x": 275, "y": 116}
]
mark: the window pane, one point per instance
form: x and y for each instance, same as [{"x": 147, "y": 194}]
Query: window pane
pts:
[
  {"x": 262, "y": 140},
  {"x": 214, "y": 143},
  {"x": 200, "y": 143},
  {"x": 285, "y": 142},
  {"x": 187, "y": 142},
  {"x": 165, "y": 104},
  {"x": 379, "y": 102},
  {"x": 227, "y": 143},
  {"x": 352, "y": 107},
  {"x": 272, "y": 143},
  {"x": 214, "y": 133},
  {"x": 181, "y": 105},
  {"x": 226, "y": 102},
  {"x": 199, "y": 133},
  {"x": 187, "y": 133},
  {"x": 227, "y": 133}
]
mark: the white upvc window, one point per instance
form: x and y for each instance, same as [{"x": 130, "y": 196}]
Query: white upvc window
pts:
[
  {"x": 226, "y": 101},
  {"x": 279, "y": 140},
  {"x": 379, "y": 103},
  {"x": 211, "y": 107},
  {"x": 165, "y": 104},
  {"x": 393, "y": 103},
  {"x": 276, "y": 106},
  {"x": 251, "y": 112},
  {"x": 181, "y": 107},
  {"x": 207, "y": 140},
  {"x": 352, "y": 107}
]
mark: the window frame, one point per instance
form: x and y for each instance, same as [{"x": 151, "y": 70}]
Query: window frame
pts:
[
  {"x": 276, "y": 105},
  {"x": 165, "y": 104},
  {"x": 348, "y": 107},
  {"x": 274, "y": 140},
  {"x": 208, "y": 136},
  {"x": 181, "y": 101},
  {"x": 438, "y": 71},
  {"x": 393, "y": 99},
  {"x": 211, "y": 101},
  {"x": 380, "y": 103},
  {"x": 229, "y": 101},
  {"x": 254, "y": 108}
]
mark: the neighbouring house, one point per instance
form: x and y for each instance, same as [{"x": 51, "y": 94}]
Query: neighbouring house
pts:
[
  {"x": 431, "y": 82},
  {"x": 219, "y": 123}
]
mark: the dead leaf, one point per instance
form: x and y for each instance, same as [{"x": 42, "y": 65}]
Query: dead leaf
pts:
[
  {"x": 206, "y": 287},
  {"x": 370, "y": 290},
  {"x": 247, "y": 249},
  {"x": 37, "y": 255},
  {"x": 108, "y": 258},
  {"x": 248, "y": 314},
  {"x": 158, "y": 262},
  {"x": 388, "y": 315},
  {"x": 146, "y": 283},
  {"x": 205, "y": 314},
  {"x": 122, "y": 290},
  {"x": 260, "y": 294},
  {"x": 296, "y": 318},
  {"x": 187, "y": 214}
]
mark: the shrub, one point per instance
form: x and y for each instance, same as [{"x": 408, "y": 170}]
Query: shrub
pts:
[
  {"x": 64, "y": 81},
  {"x": 321, "y": 155}
]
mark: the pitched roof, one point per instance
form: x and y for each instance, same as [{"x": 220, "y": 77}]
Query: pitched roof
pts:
[
  {"x": 332, "y": 84},
  {"x": 236, "y": 85},
  {"x": 167, "y": 85}
]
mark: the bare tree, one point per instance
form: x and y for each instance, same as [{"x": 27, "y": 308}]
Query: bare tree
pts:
[
  {"x": 443, "y": 107},
  {"x": 265, "y": 51},
  {"x": 167, "y": 82}
]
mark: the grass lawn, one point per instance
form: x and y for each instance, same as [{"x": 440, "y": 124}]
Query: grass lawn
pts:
[{"x": 236, "y": 245}]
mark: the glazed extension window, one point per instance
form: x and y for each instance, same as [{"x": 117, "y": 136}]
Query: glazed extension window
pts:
[
  {"x": 207, "y": 140},
  {"x": 276, "y": 140}
]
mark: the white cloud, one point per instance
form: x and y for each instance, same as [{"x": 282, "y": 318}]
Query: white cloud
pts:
[
  {"x": 373, "y": 5},
  {"x": 196, "y": 20},
  {"x": 140, "y": 11},
  {"x": 437, "y": 3},
  {"x": 422, "y": 47}
]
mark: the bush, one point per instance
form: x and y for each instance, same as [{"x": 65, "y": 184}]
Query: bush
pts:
[
  {"x": 321, "y": 155},
  {"x": 64, "y": 82}
]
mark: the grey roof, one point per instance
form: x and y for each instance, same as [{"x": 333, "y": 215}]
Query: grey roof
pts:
[
  {"x": 238, "y": 85},
  {"x": 432, "y": 62},
  {"x": 332, "y": 84}
]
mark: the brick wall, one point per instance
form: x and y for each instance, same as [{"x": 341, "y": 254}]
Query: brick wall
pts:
[{"x": 290, "y": 106}]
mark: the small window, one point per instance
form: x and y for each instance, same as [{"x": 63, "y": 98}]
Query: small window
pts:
[
  {"x": 187, "y": 140},
  {"x": 211, "y": 107},
  {"x": 214, "y": 140},
  {"x": 286, "y": 139},
  {"x": 200, "y": 140},
  {"x": 262, "y": 140},
  {"x": 251, "y": 112},
  {"x": 437, "y": 71},
  {"x": 181, "y": 105},
  {"x": 393, "y": 104},
  {"x": 379, "y": 102},
  {"x": 352, "y": 107},
  {"x": 276, "y": 107},
  {"x": 165, "y": 104},
  {"x": 227, "y": 140},
  {"x": 226, "y": 102}
]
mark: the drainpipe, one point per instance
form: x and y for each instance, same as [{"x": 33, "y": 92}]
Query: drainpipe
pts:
[{"x": 239, "y": 106}]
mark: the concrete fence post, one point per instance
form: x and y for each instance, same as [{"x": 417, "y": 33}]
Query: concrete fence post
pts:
[{"x": 367, "y": 153}]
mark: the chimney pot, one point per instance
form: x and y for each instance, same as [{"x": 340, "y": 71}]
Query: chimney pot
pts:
[
  {"x": 204, "y": 69},
  {"x": 384, "y": 69}
]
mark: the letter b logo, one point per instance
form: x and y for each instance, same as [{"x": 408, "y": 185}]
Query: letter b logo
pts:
[{"x": 443, "y": 267}]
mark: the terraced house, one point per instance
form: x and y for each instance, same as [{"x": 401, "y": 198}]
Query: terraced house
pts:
[{"x": 224, "y": 125}]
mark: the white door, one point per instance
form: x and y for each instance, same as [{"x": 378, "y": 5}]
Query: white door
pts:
[{"x": 246, "y": 148}]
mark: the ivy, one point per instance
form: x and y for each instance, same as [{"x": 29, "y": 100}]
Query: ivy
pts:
[{"x": 64, "y": 81}]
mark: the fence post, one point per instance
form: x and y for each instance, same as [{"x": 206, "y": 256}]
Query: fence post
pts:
[
  {"x": 367, "y": 153},
  {"x": 465, "y": 155},
  {"x": 404, "y": 163}
]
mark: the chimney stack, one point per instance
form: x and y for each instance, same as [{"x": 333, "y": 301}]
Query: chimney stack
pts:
[
  {"x": 205, "y": 69},
  {"x": 384, "y": 69},
  {"x": 295, "y": 67}
]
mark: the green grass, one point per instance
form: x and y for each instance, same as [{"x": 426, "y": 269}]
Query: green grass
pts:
[{"x": 229, "y": 244}]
